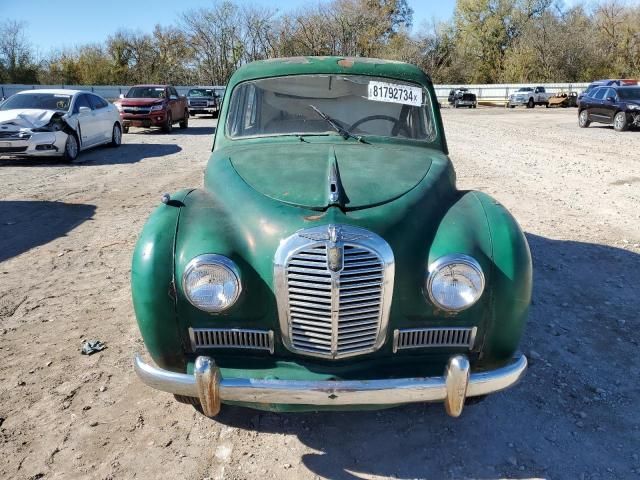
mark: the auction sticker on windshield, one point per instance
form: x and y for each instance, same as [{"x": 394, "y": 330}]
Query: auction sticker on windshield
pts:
[{"x": 394, "y": 93}]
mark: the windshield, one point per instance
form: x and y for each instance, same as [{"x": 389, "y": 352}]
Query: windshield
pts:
[
  {"x": 316, "y": 104},
  {"x": 145, "y": 92},
  {"x": 40, "y": 101},
  {"x": 629, "y": 93},
  {"x": 200, "y": 92}
]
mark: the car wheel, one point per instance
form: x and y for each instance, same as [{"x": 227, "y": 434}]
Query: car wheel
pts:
[
  {"x": 71, "y": 149},
  {"x": 455, "y": 104},
  {"x": 168, "y": 124},
  {"x": 583, "y": 119},
  {"x": 620, "y": 123},
  {"x": 185, "y": 121},
  {"x": 546, "y": 105},
  {"x": 116, "y": 136},
  {"x": 125, "y": 129},
  {"x": 530, "y": 103},
  {"x": 473, "y": 106}
]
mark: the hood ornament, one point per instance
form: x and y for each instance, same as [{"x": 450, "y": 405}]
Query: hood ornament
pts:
[{"x": 335, "y": 237}]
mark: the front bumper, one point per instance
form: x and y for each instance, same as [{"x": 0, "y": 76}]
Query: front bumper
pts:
[
  {"x": 39, "y": 144},
  {"x": 147, "y": 120},
  {"x": 452, "y": 388}
]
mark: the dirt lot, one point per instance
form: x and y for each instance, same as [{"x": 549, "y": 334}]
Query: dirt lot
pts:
[{"x": 66, "y": 236}]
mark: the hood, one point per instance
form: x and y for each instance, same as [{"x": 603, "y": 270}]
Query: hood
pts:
[
  {"x": 26, "y": 118},
  {"x": 139, "y": 102},
  {"x": 318, "y": 175}
]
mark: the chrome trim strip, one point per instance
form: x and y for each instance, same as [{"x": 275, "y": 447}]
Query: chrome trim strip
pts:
[
  {"x": 233, "y": 338},
  {"x": 401, "y": 343},
  {"x": 328, "y": 237},
  {"x": 336, "y": 393}
]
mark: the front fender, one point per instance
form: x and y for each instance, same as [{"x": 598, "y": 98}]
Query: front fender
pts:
[
  {"x": 153, "y": 286},
  {"x": 479, "y": 226}
]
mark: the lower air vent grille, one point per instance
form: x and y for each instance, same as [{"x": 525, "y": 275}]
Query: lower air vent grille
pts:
[
  {"x": 231, "y": 338},
  {"x": 459, "y": 337}
]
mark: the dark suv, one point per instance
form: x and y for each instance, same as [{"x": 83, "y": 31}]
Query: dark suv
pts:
[
  {"x": 462, "y": 97},
  {"x": 615, "y": 105}
]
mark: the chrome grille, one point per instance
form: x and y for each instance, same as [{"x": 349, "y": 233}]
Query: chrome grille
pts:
[
  {"x": 459, "y": 337},
  {"x": 231, "y": 338},
  {"x": 334, "y": 294}
]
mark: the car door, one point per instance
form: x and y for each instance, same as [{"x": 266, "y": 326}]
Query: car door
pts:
[
  {"x": 609, "y": 104},
  {"x": 88, "y": 124},
  {"x": 595, "y": 104},
  {"x": 174, "y": 103},
  {"x": 103, "y": 117}
]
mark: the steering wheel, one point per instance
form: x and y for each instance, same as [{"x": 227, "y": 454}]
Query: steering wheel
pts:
[{"x": 397, "y": 126}]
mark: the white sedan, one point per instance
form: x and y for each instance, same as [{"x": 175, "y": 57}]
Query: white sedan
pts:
[{"x": 57, "y": 123}]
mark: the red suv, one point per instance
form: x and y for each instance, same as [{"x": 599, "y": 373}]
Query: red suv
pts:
[{"x": 153, "y": 106}]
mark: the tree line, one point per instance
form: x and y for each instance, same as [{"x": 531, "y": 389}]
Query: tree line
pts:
[{"x": 486, "y": 41}]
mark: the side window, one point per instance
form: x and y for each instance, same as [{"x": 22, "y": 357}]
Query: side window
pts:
[
  {"x": 250, "y": 108},
  {"x": 599, "y": 93},
  {"x": 81, "y": 101},
  {"x": 97, "y": 102},
  {"x": 611, "y": 93},
  {"x": 173, "y": 91}
]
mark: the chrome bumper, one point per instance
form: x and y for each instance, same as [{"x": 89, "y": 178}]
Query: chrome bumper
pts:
[{"x": 452, "y": 388}]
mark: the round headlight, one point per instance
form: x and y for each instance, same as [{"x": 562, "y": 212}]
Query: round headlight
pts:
[
  {"x": 455, "y": 282},
  {"x": 211, "y": 283}
]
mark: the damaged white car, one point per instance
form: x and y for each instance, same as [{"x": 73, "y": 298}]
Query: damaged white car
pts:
[{"x": 57, "y": 123}]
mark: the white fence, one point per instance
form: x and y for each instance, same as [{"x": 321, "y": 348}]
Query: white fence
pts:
[
  {"x": 499, "y": 93},
  {"x": 110, "y": 92},
  {"x": 496, "y": 93}
]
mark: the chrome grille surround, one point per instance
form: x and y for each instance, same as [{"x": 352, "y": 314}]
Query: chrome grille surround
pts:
[
  {"x": 456, "y": 337},
  {"x": 334, "y": 286},
  {"x": 231, "y": 338}
]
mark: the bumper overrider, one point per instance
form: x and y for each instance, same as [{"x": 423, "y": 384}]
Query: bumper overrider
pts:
[{"x": 457, "y": 384}]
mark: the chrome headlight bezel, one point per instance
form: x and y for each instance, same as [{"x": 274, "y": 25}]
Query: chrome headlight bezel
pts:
[
  {"x": 212, "y": 259},
  {"x": 446, "y": 261}
]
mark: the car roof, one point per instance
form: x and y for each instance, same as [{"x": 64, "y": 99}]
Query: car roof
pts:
[
  {"x": 151, "y": 85},
  {"x": 278, "y": 67},
  {"x": 54, "y": 91}
]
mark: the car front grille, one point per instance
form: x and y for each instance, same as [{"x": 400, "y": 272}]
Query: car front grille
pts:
[
  {"x": 136, "y": 111},
  {"x": 468, "y": 97},
  {"x": 334, "y": 295},
  {"x": 197, "y": 103},
  {"x": 15, "y": 136},
  {"x": 231, "y": 338},
  {"x": 461, "y": 337},
  {"x": 13, "y": 149}
]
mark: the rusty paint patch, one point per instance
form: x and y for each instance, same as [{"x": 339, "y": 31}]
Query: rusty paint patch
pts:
[
  {"x": 346, "y": 63},
  {"x": 313, "y": 218}
]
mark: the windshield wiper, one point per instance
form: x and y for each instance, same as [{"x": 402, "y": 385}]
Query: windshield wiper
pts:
[{"x": 342, "y": 131}]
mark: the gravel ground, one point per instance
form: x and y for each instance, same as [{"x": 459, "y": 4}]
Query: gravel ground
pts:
[{"x": 66, "y": 237}]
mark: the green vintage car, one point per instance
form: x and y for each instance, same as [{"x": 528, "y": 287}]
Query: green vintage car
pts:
[{"x": 329, "y": 262}]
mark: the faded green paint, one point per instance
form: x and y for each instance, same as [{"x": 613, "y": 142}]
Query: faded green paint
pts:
[
  {"x": 259, "y": 191},
  {"x": 363, "y": 169}
]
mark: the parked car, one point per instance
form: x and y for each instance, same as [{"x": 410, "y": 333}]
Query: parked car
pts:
[
  {"x": 205, "y": 100},
  {"x": 530, "y": 97},
  {"x": 153, "y": 106},
  {"x": 563, "y": 99},
  {"x": 330, "y": 262},
  {"x": 57, "y": 123},
  {"x": 613, "y": 105},
  {"x": 605, "y": 83},
  {"x": 462, "y": 97}
]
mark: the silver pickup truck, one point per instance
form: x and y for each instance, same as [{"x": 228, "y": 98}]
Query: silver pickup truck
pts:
[{"x": 530, "y": 97}]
